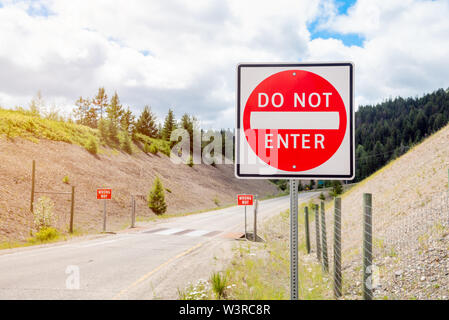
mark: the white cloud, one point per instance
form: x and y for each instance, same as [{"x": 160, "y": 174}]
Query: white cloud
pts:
[{"x": 183, "y": 54}]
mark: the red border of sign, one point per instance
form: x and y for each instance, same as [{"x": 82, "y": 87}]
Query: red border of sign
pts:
[{"x": 351, "y": 122}]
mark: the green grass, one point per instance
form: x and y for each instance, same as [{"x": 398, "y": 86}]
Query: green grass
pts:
[
  {"x": 41, "y": 238},
  {"x": 219, "y": 283},
  {"x": 23, "y": 124},
  {"x": 45, "y": 235}
]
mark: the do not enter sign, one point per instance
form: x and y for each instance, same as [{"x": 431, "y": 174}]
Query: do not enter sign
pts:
[{"x": 295, "y": 120}]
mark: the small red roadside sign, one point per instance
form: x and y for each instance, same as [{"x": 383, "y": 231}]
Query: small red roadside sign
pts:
[
  {"x": 245, "y": 199},
  {"x": 104, "y": 194}
]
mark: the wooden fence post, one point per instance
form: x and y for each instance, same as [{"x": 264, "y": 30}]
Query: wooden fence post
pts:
[
  {"x": 72, "y": 209},
  {"x": 33, "y": 173}
]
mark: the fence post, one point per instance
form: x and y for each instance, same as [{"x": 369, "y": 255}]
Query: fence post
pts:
[
  {"x": 133, "y": 212},
  {"x": 306, "y": 222},
  {"x": 72, "y": 209},
  {"x": 33, "y": 172},
  {"x": 324, "y": 239},
  {"x": 367, "y": 246},
  {"x": 337, "y": 247},
  {"x": 317, "y": 232},
  {"x": 256, "y": 203}
]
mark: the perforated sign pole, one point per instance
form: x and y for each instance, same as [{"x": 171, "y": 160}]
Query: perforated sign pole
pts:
[{"x": 294, "y": 239}]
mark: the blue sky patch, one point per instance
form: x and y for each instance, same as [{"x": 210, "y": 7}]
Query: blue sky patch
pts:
[
  {"x": 38, "y": 10},
  {"x": 349, "y": 39},
  {"x": 344, "y": 5},
  {"x": 146, "y": 52}
]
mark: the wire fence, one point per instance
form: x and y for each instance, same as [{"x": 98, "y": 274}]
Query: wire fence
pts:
[{"x": 397, "y": 252}]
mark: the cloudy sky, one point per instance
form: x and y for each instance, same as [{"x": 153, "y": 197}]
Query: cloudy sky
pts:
[{"x": 182, "y": 54}]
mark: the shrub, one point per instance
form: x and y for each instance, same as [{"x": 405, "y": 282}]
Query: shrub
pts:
[
  {"x": 217, "y": 201},
  {"x": 156, "y": 198},
  {"x": 92, "y": 145},
  {"x": 46, "y": 234},
  {"x": 126, "y": 143},
  {"x": 190, "y": 162},
  {"x": 146, "y": 147},
  {"x": 43, "y": 213},
  {"x": 153, "y": 148},
  {"x": 337, "y": 188},
  {"x": 322, "y": 197},
  {"x": 219, "y": 284},
  {"x": 66, "y": 179}
]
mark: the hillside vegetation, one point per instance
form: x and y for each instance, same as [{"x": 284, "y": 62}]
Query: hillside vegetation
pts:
[
  {"x": 387, "y": 130},
  {"x": 27, "y": 125}
]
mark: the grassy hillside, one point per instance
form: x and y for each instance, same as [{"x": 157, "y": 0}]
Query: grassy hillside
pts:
[
  {"x": 15, "y": 123},
  {"x": 24, "y": 124}
]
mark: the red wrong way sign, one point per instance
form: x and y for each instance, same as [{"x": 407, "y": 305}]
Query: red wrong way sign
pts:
[
  {"x": 245, "y": 199},
  {"x": 104, "y": 194},
  {"x": 295, "y": 120}
]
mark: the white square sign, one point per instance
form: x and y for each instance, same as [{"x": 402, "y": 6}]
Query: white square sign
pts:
[{"x": 295, "y": 121}]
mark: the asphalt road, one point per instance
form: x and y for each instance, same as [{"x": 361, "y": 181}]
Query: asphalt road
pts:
[{"x": 120, "y": 266}]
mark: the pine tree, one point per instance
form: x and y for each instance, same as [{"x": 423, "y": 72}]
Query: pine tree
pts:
[
  {"x": 126, "y": 143},
  {"x": 127, "y": 121},
  {"x": 115, "y": 113},
  {"x": 156, "y": 198},
  {"x": 115, "y": 110},
  {"x": 85, "y": 113},
  {"x": 103, "y": 129},
  {"x": 101, "y": 101},
  {"x": 146, "y": 124},
  {"x": 169, "y": 125}
]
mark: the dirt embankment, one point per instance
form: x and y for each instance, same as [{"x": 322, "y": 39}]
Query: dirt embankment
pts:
[
  {"x": 187, "y": 189},
  {"x": 410, "y": 225}
]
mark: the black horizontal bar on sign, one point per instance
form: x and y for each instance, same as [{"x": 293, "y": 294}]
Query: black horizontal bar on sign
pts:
[{"x": 52, "y": 192}]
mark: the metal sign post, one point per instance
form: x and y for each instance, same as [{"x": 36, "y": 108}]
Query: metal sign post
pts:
[
  {"x": 245, "y": 224},
  {"x": 104, "y": 194},
  {"x": 294, "y": 239},
  {"x": 104, "y": 216},
  {"x": 245, "y": 200}
]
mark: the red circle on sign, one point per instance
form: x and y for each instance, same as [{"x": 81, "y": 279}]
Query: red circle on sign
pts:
[{"x": 309, "y": 132}]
